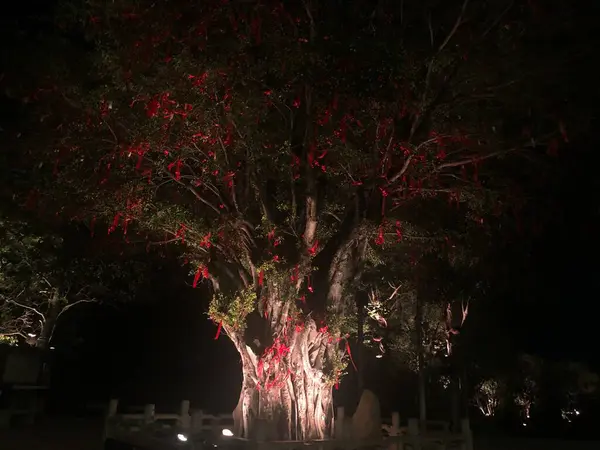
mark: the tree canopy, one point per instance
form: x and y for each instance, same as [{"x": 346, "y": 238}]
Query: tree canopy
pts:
[{"x": 300, "y": 151}]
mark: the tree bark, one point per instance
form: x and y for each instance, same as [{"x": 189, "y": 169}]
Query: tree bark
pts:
[
  {"x": 421, "y": 362},
  {"x": 289, "y": 368},
  {"x": 360, "y": 360},
  {"x": 49, "y": 324}
]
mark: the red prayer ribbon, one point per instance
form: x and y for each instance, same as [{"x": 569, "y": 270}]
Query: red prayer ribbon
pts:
[
  {"x": 350, "y": 354},
  {"x": 197, "y": 276}
]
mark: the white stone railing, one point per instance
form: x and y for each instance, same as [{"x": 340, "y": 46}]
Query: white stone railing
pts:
[
  {"x": 432, "y": 435},
  {"x": 186, "y": 420},
  {"x": 415, "y": 436}
]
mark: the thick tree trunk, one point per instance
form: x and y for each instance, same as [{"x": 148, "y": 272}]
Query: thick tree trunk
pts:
[{"x": 289, "y": 369}]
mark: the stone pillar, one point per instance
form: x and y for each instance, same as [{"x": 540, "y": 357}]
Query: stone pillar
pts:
[
  {"x": 148, "y": 414},
  {"x": 185, "y": 421}
]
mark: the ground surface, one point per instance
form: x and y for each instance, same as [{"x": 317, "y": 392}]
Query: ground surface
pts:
[
  {"x": 85, "y": 434},
  {"x": 55, "y": 434}
]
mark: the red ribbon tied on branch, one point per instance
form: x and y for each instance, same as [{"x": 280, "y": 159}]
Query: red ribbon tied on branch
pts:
[
  {"x": 219, "y": 330},
  {"x": 350, "y": 355}
]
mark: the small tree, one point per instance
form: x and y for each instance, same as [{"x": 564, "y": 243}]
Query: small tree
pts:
[
  {"x": 39, "y": 283},
  {"x": 488, "y": 395}
]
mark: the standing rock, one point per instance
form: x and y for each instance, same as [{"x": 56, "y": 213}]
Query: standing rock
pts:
[{"x": 366, "y": 421}]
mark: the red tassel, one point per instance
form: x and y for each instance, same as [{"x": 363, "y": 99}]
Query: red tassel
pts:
[
  {"x": 218, "y": 330},
  {"x": 399, "y": 230},
  {"x": 115, "y": 223},
  {"x": 197, "y": 276},
  {"x": 261, "y": 278},
  {"x": 380, "y": 240},
  {"x": 384, "y": 194},
  {"x": 350, "y": 354}
]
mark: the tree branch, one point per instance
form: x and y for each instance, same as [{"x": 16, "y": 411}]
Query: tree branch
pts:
[
  {"x": 459, "y": 21},
  {"x": 30, "y": 308},
  {"x": 15, "y": 333},
  {"x": 402, "y": 171},
  {"x": 497, "y": 20},
  {"x": 474, "y": 159},
  {"x": 344, "y": 266},
  {"x": 193, "y": 191},
  {"x": 311, "y": 21},
  {"x": 65, "y": 309},
  {"x": 262, "y": 198},
  {"x": 233, "y": 195},
  {"x": 78, "y": 302},
  {"x": 310, "y": 227},
  {"x": 419, "y": 118}
]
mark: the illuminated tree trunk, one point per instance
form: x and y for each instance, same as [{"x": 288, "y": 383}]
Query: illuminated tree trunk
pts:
[
  {"x": 51, "y": 317},
  {"x": 289, "y": 369}
]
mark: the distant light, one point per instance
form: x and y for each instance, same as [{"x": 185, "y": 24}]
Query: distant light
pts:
[
  {"x": 378, "y": 356},
  {"x": 227, "y": 432},
  {"x": 31, "y": 335},
  {"x": 577, "y": 412},
  {"x": 182, "y": 437},
  {"x": 52, "y": 348},
  {"x": 524, "y": 424}
]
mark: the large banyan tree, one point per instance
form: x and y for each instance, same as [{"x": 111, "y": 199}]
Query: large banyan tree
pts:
[{"x": 289, "y": 147}]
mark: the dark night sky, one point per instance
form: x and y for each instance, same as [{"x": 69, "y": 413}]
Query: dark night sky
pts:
[{"x": 163, "y": 348}]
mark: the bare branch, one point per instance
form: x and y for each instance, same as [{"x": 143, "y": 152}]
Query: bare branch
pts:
[
  {"x": 78, "y": 302},
  {"x": 193, "y": 191},
  {"x": 474, "y": 159},
  {"x": 15, "y": 333},
  {"x": 498, "y": 19},
  {"x": 29, "y": 308},
  {"x": 402, "y": 171},
  {"x": 311, "y": 20},
  {"x": 261, "y": 196},
  {"x": 116, "y": 141},
  {"x": 335, "y": 216},
  {"x": 233, "y": 196},
  {"x": 396, "y": 289},
  {"x": 310, "y": 227},
  {"x": 418, "y": 120},
  {"x": 65, "y": 309},
  {"x": 430, "y": 29},
  {"x": 459, "y": 21}
]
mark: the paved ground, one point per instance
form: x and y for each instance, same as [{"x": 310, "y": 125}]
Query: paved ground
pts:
[
  {"x": 86, "y": 434},
  {"x": 55, "y": 434}
]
